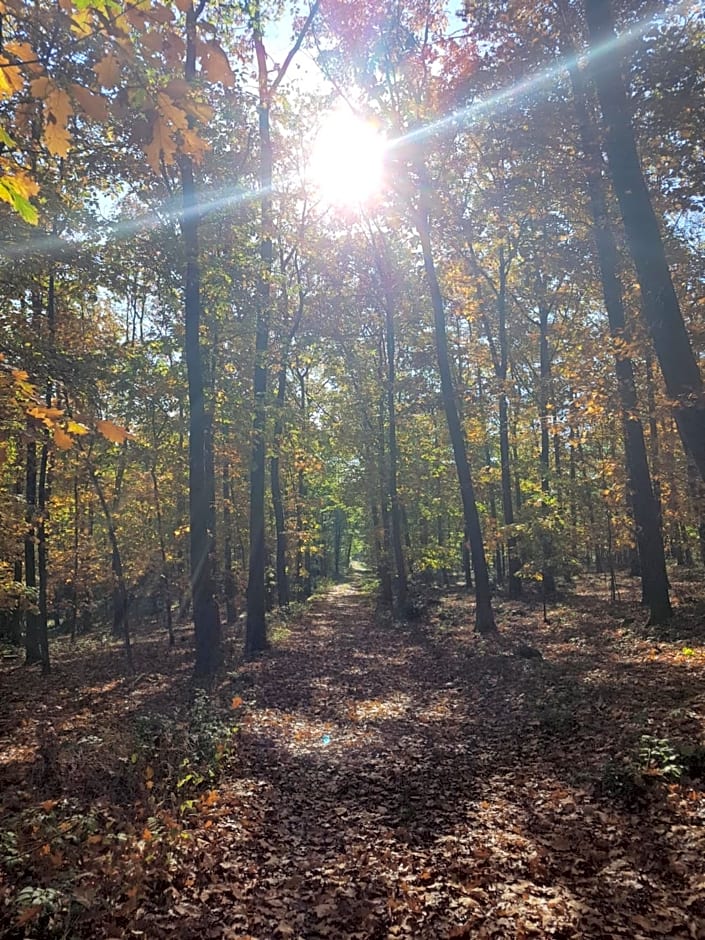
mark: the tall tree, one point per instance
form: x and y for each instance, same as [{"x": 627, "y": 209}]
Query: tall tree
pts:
[
  {"x": 206, "y": 616},
  {"x": 256, "y": 627},
  {"x": 646, "y": 512},
  {"x": 660, "y": 303}
]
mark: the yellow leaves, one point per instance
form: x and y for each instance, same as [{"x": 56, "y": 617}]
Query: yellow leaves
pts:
[
  {"x": 111, "y": 432},
  {"x": 73, "y": 427},
  {"x": 11, "y": 78},
  {"x": 107, "y": 71},
  {"x": 57, "y": 111},
  {"x": 82, "y": 22},
  {"x": 16, "y": 188}
]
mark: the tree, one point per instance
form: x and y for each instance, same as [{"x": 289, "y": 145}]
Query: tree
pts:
[{"x": 660, "y": 303}]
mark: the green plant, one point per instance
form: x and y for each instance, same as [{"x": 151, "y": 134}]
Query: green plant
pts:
[
  {"x": 658, "y": 757},
  {"x": 182, "y": 754},
  {"x": 653, "y": 761}
]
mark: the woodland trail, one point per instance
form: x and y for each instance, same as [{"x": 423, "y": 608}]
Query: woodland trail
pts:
[{"x": 391, "y": 782}]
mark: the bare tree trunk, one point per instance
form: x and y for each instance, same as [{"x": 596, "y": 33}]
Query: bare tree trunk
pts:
[
  {"x": 229, "y": 577},
  {"x": 660, "y": 304},
  {"x": 547, "y": 574},
  {"x": 402, "y": 587},
  {"x": 484, "y": 615},
  {"x": 645, "y": 508},
  {"x": 206, "y": 617}
]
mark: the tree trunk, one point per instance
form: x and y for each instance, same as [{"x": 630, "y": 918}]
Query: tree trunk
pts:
[
  {"x": 164, "y": 578},
  {"x": 33, "y": 653},
  {"x": 256, "y": 629},
  {"x": 120, "y": 589},
  {"x": 484, "y": 616},
  {"x": 646, "y": 515},
  {"x": 277, "y": 499},
  {"x": 547, "y": 574},
  {"x": 402, "y": 588},
  {"x": 660, "y": 304},
  {"x": 513, "y": 563},
  {"x": 228, "y": 577},
  {"x": 206, "y": 616}
]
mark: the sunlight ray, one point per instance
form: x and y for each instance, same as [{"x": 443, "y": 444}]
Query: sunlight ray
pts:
[
  {"x": 507, "y": 96},
  {"x": 126, "y": 228}
]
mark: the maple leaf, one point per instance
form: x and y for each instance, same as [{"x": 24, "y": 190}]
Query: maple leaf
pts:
[
  {"x": 112, "y": 432},
  {"x": 62, "y": 439},
  {"x": 171, "y": 113},
  {"x": 161, "y": 145},
  {"x": 57, "y": 111}
]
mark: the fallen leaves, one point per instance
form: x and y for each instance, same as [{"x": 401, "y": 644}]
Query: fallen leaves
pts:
[{"x": 409, "y": 785}]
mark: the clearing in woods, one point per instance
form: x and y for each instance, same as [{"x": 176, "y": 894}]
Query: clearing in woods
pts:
[{"x": 385, "y": 781}]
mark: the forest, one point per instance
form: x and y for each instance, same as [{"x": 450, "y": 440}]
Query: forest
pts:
[{"x": 352, "y": 468}]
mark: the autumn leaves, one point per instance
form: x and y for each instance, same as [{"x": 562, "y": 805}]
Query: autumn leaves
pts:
[{"x": 126, "y": 62}]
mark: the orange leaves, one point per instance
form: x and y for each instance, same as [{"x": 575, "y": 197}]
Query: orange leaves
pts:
[
  {"x": 90, "y": 102},
  {"x": 58, "y": 109},
  {"x": 108, "y": 70},
  {"x": 62, "y": 440},
  {"x": 171, "y": 133},
  {"x": 112, "y": 432},
  {"x": 215, "y": 65}
]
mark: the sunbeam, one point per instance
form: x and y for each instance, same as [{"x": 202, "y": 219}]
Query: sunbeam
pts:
[{"x": 465, "y": 116}]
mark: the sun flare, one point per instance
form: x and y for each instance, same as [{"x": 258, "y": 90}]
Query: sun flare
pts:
[{"x": 347, "y": 159}]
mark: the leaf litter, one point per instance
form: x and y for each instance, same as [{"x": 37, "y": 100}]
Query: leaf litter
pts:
[{"x": 411, "y": 781}]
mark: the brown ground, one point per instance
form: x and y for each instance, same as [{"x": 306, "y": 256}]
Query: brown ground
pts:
[{"x": 384, "y": 782}]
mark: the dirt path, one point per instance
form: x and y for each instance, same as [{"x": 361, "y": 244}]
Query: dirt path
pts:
[{"x": 391, "y": 782}]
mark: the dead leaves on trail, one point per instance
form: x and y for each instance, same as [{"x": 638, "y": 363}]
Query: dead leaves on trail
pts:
[{"x": 414, "y": 782}]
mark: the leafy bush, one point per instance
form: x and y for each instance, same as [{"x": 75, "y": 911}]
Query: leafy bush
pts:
[
  {"x": 654, "y": 761},
  {"x": 177, "y": 756}
]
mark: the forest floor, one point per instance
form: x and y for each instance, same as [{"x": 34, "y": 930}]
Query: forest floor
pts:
[{"x": 366, "y": 780}]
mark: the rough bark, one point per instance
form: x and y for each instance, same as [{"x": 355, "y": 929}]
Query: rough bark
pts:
[
  {"x": 402, "y": 587},
  {"x": 660, "y": 305},
  {"x": 484, "y": 615},
  {"x": 547, "y": 573},
  {"x": 206, "y": 616},
  {"x": 645, "y": 508}
]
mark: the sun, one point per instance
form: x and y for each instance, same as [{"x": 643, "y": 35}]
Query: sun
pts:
[{"x": 347, "y": 159}]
